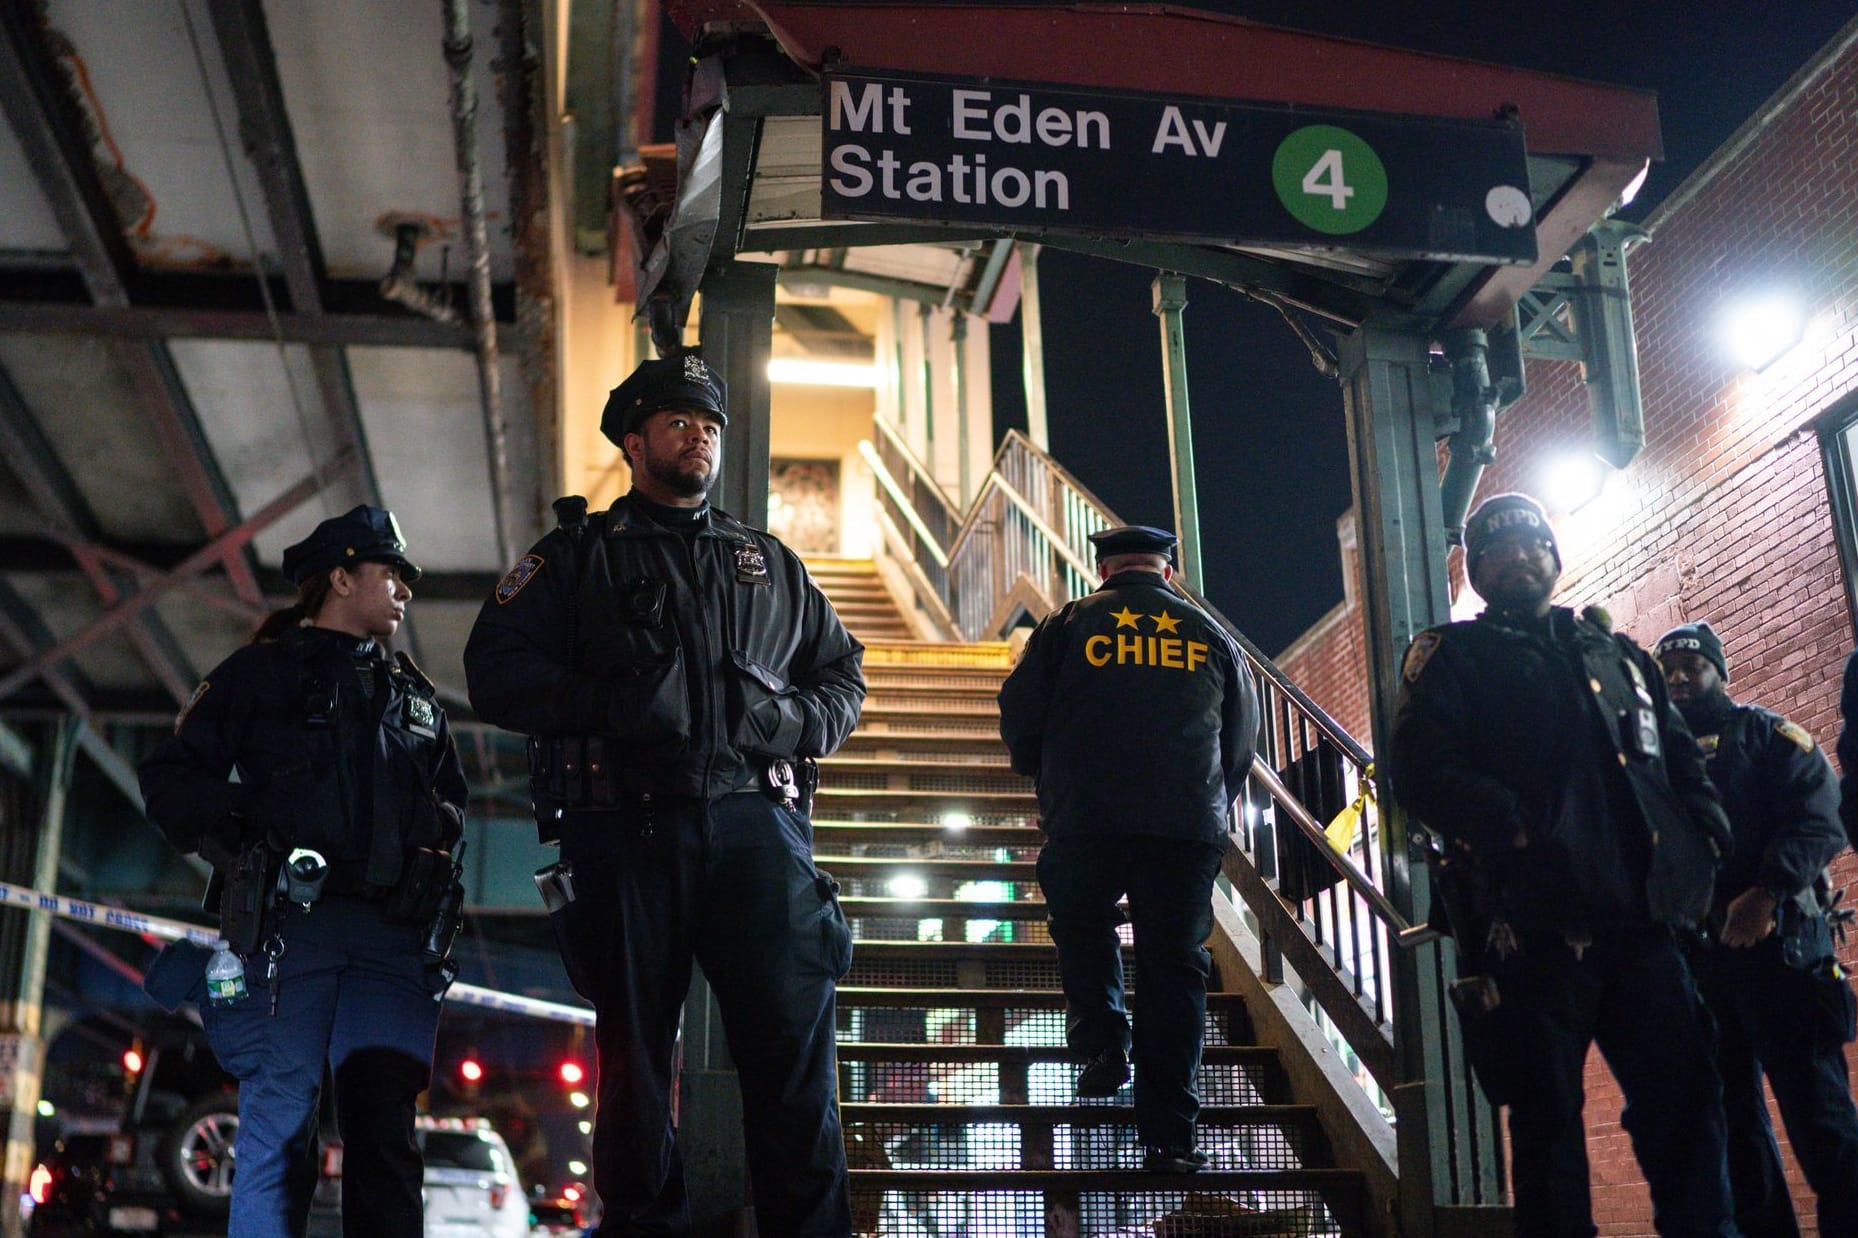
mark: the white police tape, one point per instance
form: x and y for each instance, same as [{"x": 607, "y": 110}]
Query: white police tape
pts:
[{"x": 177, "y": 930}]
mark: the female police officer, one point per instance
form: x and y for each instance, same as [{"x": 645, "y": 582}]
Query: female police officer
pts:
[{"x": 310, "y": 740}]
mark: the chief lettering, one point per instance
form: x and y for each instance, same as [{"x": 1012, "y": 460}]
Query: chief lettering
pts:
[
  {"x": 518, "y": 576},
  {"x": 1168, "y": 652}
]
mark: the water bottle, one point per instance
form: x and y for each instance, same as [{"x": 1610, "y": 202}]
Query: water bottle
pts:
[{"x": 225, "y": 975}]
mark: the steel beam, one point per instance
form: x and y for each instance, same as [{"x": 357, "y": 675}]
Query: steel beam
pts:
[
  {"x": 21, "y": 627},
  {"x": 264, "y": 129},
  {"x": 230, "y": 541},
  {"x": 59, "y": 153}
]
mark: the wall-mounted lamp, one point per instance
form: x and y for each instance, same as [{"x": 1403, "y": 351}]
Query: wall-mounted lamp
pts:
[{"x": 1762, "y": 329}]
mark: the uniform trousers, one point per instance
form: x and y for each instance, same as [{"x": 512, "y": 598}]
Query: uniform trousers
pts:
[
  {"x": 353, "y": 991},
  {"x": 729, "y": 882},
  {"x": 1169, "y": 883},
  {"x": 1630, "y": 993},
  {"x": 1791, "y": 1026}
]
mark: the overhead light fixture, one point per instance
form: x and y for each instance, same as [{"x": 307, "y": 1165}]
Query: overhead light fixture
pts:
[
  {"x": 1574, "y": 481},
  {"x": 908, "y": 886},
  {"x": 801, "y": 372},
  {"x": 1633, "y": 186},
  {"x": 1761, "y": 330}
]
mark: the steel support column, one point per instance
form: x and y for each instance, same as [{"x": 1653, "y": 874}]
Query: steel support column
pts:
[
  {"x": 1032, "y": 348},
  {"x": 1169, "y": 293},
  {"x": 737, "y": 335},
  {"x": 1448, "y": 1155},
  {"x": 30, "y": 856},
  {"x": 964, "y": 472}
]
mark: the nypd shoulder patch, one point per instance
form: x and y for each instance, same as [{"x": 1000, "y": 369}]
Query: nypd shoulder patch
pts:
[
  {"x": 1418, "y": 654},
  {"x": 1795, "y": 733},
  {"x": 518, "y": 576}
]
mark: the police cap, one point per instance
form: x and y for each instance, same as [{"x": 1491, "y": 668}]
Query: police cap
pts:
[
  {"x": 1504, "y": 516},
  {"x": 363, "y": 535},
  {"x": 1698, "y": 638},
  {"x": 685, "y": 381},
  {"x": 1134, "y": 539}
]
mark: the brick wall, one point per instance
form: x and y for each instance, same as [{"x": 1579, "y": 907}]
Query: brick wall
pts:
[{"x": 1724, "y": 516}]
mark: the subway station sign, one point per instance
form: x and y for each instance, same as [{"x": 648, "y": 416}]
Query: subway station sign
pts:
[{"x": 1049, "y": 157}]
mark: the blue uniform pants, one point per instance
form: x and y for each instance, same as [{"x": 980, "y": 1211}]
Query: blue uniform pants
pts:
[
  {"x": 1791, "y": 1026},
  {"x": 1169, "y": 882},
  {"x": 730, "y": 883},
  {"x": 1631, "y": 994},
  {"x": 352, "y": 991}
]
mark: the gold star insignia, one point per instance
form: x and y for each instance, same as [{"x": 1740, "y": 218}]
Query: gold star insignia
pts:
[
  {"x": 1126, "y": 618},
  {"x": 1164, "y": 622}
]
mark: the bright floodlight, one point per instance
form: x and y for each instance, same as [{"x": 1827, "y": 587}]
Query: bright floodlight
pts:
[
  {"x": 908, "y": 885},
  {"x": 821, "y": 373},
  {"x": 1760, "y": 330},
  {"x": 1573, "y": 482}
]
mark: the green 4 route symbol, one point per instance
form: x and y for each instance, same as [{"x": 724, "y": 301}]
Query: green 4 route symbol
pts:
[{"x": 1329, "y": 179}]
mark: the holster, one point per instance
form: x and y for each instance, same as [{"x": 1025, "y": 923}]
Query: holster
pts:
[
  {"x": 806, "y": 779},
  {"x": 423, "y": 882},
  {"x": 246, "y": 897}
]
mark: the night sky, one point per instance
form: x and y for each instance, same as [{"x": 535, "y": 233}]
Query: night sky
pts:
[{"x": 1269, "y": 438}]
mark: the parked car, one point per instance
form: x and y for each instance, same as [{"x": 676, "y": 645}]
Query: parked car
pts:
[
  {"x": 165, "y": 1168},
  {"x": 471, "y": 1185}
]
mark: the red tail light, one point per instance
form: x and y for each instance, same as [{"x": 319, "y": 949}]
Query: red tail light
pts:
[
  {"x": 499, "y": 1191},
  {"x": 40, "y": 1184}
]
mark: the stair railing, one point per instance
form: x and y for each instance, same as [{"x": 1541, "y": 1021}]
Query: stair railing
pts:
[{"x": 1324, "y": 921}]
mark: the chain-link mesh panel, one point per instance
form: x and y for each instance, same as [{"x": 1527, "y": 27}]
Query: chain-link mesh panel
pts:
[
  {"x": 977, "y": 781},
  {"x": 937, "y": 724}
]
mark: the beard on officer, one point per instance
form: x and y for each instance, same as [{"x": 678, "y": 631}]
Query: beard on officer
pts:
[{"x": 678, "y": 672}]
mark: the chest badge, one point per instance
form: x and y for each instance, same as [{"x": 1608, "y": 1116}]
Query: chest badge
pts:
[
  {"x": 751, "y": 566},
  {"x": 518, "y": 576},
  {"x": 420, "y": 716}
]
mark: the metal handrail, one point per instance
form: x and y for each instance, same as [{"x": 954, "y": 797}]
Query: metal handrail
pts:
[{"x": 884, "y": 479}]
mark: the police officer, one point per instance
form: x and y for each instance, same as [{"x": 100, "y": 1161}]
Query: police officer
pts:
[
  {"x": 1782, "y": 1004},
  {"x": 319, "y": 778},
  {"x": 1137, "y": 717},
  {"x": 1579, "y": 832},
  {"x": 675, "y": 666}
]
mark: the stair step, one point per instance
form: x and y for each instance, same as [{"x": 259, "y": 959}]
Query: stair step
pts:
[
  {"x": 888, "y": 834},
  {"x": 880, "y": 1051},
  {"x": 939, "y": 653},
  {"x": 985, "y": 750},
  {"x": 936, "y": 803},
  {"x": 862, "y": 907},
  {"x": 959, "y": 951},
  {"x": 857, "y": 995},
  {"x": 870, "y": 868}
]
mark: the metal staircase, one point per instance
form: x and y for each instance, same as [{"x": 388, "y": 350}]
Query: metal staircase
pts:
[{"x": 955, "y": 1083}]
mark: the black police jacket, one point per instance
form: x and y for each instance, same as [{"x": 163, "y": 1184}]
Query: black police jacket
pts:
[
  {"x": 1781, "y": 797},
  {"x": 1550, "y": 753},
  {"x": 702, "y": 657},
  {"x": 1134, "y": 713},
  {"x": 360, "y": 776}
]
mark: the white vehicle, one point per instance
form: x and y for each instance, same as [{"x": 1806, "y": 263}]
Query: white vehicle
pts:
[{"x": 471, "y": 1185}]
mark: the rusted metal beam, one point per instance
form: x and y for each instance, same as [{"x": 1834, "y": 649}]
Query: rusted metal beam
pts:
[
  {"x": 37, "y": 105},
  {"x": 57, "y": 498},
  {"x": 231, "y": 540}
]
